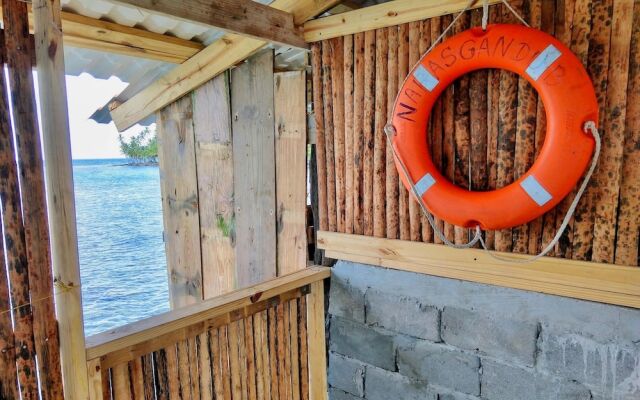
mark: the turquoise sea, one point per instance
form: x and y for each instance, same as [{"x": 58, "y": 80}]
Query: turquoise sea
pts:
[{"x": 122, "y": 256}]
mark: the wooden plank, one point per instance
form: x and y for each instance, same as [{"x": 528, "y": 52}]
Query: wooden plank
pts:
[
  {"x": 204, "y": 366},
  {"x": 254, "y": 169},
  {"x": 304, "y": 348},
  {"x": 391, "y": 174},
  {"x": 173, "y": 376},
  {"x": 358, "y": 133},
  {"x": 348, "y": 60},
  {"x": 34, "y": 204},
  {"x": 137, "y": 379},
  {"x": 214, "y": 164},
  {"x": 61, "y": 213},
  {"x": 403, "y": 71},
  {"x": 194, "y": 372},
  {"x": 234, "y": 361},
  {"x": 577, "y": 279},
  {"x": 381, "y": 16},
  {"x": 243, "y": 17},
  {"x": 216, "y": 365},
  {"x": 148, "y": 378},
  {"x": 133, "y": 334},
  {"x": 258, "y": 348},
  {"x": 183, "y": 368},
  {"x": 380, "y": 139},
  {"x": 283, "y": 385},
  {"x": 368, "y": 131},
  {"x": 211, "y": 61},
  {"x": 14, "y": 282},
  {"x": 176, "y": 157},
  {"x": 610, "y": 163},
  {"x": 318, "y": 113},
  {"x": 223, "y": 333},
  {"x": 316, "y": 342},
  {"x": 629, "y": 211},
  {"x": 273, "y": 352},
  {"x": 251, "y": 357},
  {"x": 121, "y": 384},
  {"x": 337, "y": 95},
  {"x": 294, "y": 349},
  {"x": 327, "y": 98},
  {"x": 266, "y": 371},
  {"x": 161, "y": 375},
  {"x": 94, "y": 380},
  {"x": 291, "y": 173}
]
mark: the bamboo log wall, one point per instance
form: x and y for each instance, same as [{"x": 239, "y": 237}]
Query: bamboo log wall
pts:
[
  {"x": 491, "y": 121},
  {"x": 29, "y": 346}
]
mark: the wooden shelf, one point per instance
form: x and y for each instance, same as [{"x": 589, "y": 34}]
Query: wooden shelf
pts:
[{"x": 604, "y": 283}]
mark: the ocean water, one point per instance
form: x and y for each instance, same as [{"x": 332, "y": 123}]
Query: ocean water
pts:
[{"x": 122, "y": 256}]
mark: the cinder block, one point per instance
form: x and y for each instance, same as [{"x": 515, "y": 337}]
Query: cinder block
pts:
[
  {"x": 337, "y": 394},
  {"x": 505, "y": 339},
  {"x": 604, "y": 368},
  {"x": 363, "y": 343},
  {"x": 346, "y": 301},
  {"x": 384, "y": 385},
  {"x": 346, "y": 374},
  {"x": 403, "y": 314},
  {"x": 440, "y": 365},
  {"x": 506, "y": 382},
  {"x": 456, "y": 396}
]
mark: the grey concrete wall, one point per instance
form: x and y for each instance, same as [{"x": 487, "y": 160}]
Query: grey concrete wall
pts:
[{"x": 401, "y": 335}]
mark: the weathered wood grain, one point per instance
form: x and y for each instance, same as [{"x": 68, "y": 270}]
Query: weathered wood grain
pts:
[
  {"x": 347, "y": 72},
  {"x": 403, "y": 193},
  {"x": 415, "y": 214},
  {"x": 327, "y": 99},
  {"x": 337, "y": 94},
  {"x": 368, "y": 131},
  {"x": 380, "y": 139},
  {"x": 254, "y": 169},
  {"x": 391, "y": 173},
  {"x": 214, "y": 164},
  {"x": 176, "y": 157},
  {"x": 358, "y": 133},
  {"x": 318, "y": 114}
]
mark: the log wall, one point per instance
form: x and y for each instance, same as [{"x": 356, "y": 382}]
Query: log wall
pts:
[{"x": 489, "y": 121}]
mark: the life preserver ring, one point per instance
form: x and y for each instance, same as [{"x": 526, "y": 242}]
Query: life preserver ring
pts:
[{"x": 569, "y": 99}]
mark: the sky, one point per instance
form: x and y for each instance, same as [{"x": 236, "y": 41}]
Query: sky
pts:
[{"x": 89, "y": 139}]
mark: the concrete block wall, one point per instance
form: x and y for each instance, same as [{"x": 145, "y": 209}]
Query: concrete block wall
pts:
[{"x": 405, "y": 336}]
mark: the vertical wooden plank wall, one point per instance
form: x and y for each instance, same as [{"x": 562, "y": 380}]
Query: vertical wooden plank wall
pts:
[
  {"x": 233, "y": 177},
  {"x": 254, "y": 167},
  {"x": 176, "y": 157},
  {"x": 490, "y": 120}
]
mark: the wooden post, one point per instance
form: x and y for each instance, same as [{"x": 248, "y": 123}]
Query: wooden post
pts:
[
  {"x": 316, "y": 343},
  {"x": 62, "y": 215}
]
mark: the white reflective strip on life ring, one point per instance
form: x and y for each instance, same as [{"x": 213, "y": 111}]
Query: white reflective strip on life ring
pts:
[
  {"x": 425, "y": 78},
  {"x": 543, "y": 61},
  {"x": 425, "y": 184},
  {"x": 535, "y": 190}
]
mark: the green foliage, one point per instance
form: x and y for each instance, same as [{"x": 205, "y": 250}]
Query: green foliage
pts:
[{"x": 141, "y": 148}]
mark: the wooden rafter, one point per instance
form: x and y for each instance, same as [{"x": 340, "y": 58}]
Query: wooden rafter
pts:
[
  {"x": 380, "y": 16},
  {"x": 214, "y": 59},
  {"x": 242, "y": 17},
  {"x": 95, "y": 34}
]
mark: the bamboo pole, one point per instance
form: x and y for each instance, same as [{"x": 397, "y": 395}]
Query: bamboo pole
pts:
[
  {"x": 391, "y": 178},
  {"x": 20, "y": 335},
  {"x": 32, "y": 184},
  {"x": 358, "y": 144},
  {"x": 59, "y": 179},
  {"x": 368, "y": 132},
  {"x": 328, "y": 130},
  {"x": 628, "y": 224},
  {"x": 379, "y": 146},
  {"x": 403, "y": 193},
  {"x": 348, "y": 59},
  {"x": 337, "y": 85},
  {"x": 436, "y": 127},
  {"x": 318, "y": 113}
]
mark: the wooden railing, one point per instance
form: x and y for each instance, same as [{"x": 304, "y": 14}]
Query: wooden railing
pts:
[{"x": 263, "y": 342}]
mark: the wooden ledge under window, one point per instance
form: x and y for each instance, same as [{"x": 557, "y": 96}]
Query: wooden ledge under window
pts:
[{"x": 604, "y": 283}]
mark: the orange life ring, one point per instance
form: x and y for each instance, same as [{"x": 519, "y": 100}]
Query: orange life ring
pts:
[{"x": 569, "y": 99}]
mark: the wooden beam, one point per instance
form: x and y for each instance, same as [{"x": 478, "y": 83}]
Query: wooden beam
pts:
[
  {"x": 242, "y": 17},
  {"x": 95, "y": 34},
  {"x": 163, "y": 324},
  {"x": 380, "y": 16},
  {"x": 578, "y": 279},
  {"x": 60, "y": 195},
  {"x": 214, "y": 59}
]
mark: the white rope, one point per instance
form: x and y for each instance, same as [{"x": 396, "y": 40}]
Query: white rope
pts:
[{"x": 589, "y": 126}]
